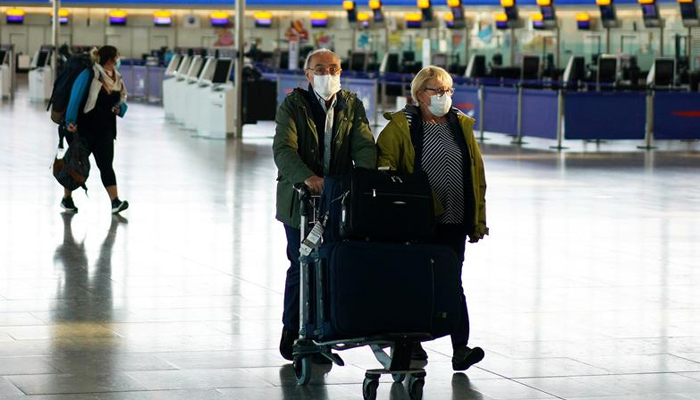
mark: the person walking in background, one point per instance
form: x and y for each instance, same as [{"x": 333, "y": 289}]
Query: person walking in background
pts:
[
  {"x": 92, "y": 111},
  {"x": 438, "y": 139}
]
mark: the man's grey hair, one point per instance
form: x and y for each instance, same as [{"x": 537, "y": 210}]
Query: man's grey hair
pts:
[{"x": 313, "y": 53}]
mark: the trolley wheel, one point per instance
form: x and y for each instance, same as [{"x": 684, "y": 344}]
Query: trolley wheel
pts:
[
  {"x": 302, "y": 370},
  {"x": 369, "y": 388},
  {"x": 415, "y": 388},
  {"x": 398, "y": 378}
]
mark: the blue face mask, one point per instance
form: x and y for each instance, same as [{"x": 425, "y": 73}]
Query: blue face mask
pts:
[{"x": 118, "y": 63}]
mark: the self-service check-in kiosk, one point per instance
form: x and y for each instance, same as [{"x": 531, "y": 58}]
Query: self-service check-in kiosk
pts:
[
  {"x": 168, "y": 82},
  {"x": 193, "y": 92},
  {"x": 41, "y": 75},
  {"x": 7, "y": 71},
  {"x": 175, "y": 89},
  {"x": 181, "y": 85},
  {"x": 217, "y": 115}
]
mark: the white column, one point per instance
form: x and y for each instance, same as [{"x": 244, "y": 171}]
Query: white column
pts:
[
  {"x": 238, "y": 65},
  {"x": 56, "y": 27}
]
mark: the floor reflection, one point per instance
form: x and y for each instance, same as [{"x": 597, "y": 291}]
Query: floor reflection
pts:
[{"x": 79, "y": 278}]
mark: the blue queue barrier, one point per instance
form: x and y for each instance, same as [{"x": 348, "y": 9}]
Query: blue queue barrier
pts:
[
  {"x": 539, "y": 113},
  {"x": 466, "y": 98},
  {"x": 156, "y": 75},
  {"x": 501, "y": 110},
  {"x": 605, "y": 116},
  {"x": 127, "y": 73},
  {"x": 676, "y": 115},
  {"x": 140, "y": 74},
  {"x": 286, "y": 83}
]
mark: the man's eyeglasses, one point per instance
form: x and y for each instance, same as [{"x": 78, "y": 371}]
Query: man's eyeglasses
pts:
[
  {"x": 441, "y": 92},
  {"x": 319, "y": 70}
]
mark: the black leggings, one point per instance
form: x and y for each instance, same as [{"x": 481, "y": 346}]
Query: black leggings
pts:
[
  {"x": 102, "y": 148},
  {"x": 101, "y": 145}
]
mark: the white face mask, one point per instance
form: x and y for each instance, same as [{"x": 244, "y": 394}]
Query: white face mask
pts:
[
  {"x": 439, "y": 106},
  {"x": 326, "y": 85}
]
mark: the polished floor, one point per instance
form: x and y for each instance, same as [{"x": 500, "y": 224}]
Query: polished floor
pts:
[{"x": 588, "y": 287}]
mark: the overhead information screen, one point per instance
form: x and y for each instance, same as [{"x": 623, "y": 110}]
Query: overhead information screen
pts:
[{"x": 190, "y": 4}]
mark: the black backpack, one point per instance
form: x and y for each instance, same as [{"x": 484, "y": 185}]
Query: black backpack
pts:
[
  {"x": 73, "y": 169},
  {"x": 60, "y": 96}
]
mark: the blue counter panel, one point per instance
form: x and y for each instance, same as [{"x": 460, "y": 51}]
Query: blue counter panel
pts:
[
  {"x": 501, "y": 110},
  {"x": 601, "y": 115},
  {"x": 467, "y": 100},
  {"x": 539, "y": 113},
  {"x": 676, "y": 115},
  {"x": 286, "y": 83}
]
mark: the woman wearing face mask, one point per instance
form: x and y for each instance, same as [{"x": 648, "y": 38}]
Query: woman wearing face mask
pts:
[
  {"x": 434, "y": 137},
  {"x": 97, "y": 97}
]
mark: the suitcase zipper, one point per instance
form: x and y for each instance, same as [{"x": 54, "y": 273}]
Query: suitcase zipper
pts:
[{"x": 374, "y": 193}]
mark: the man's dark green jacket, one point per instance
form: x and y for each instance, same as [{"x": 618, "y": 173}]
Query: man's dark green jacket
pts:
[{"x": 296, "y": 146}]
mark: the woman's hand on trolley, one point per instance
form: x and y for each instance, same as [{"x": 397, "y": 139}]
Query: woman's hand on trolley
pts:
[
  {"x": 72, "y": 128},
  {"x": 473, "y": 238},
  {"x": 315, "y": 184}
]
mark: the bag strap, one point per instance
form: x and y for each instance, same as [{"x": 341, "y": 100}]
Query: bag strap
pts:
[{"x": 416, "y": 130}]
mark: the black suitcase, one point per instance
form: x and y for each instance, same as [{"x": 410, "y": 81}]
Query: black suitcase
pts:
[
  {"x": 385, "y": 206},
  {"x": 363, "y": 289}
]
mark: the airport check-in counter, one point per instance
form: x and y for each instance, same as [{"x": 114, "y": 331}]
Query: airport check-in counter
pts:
[
  {"x": 178, "y": 88},
  {"x": 181, "y": 88},
  {"x": 202, "y": 69},
  {"x": 216, "y": 98},
  {"x": 41, "y": 75},
  {"x": 171, "y": 75},
  {"x": 6, "y": 71}
]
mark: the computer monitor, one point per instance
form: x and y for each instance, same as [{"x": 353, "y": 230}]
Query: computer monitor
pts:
[
  {"x": 199, "y": 73},
  {"x": 174, "y": 64},
  {"x": 207, "y": 70},
  {"x": 42, "y": 59},
  {"x": 476, "y": 68},
  {"x": 184, "y": 65},
  {"x": 439, "y": 60},
  {"x": 358, "y": 61},
  {"x": 390, "y": 63},
  {"x": 531, "y": 68},
  {"x": 607, "y": 69},
  {"x": 664, "y": 72},
  {"x": 575, "y": 70},
  {"x": 222, "y": 72},
  {"x": 195, "y": 67}
]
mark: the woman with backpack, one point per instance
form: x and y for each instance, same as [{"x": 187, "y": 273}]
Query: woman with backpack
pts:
[{"x": 97, "y": 97}]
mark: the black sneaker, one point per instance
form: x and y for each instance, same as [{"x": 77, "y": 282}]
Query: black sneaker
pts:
[
  {"x": 287, "y": 343},
  {"x": 464, "y": 357},
  {"x": 68, "y": 205},
  {"x": 119, "y": 206},
  {"x": 417, "y": 353}
]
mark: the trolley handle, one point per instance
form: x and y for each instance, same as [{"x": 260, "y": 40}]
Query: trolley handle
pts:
[{"x": 303, "y": 191}]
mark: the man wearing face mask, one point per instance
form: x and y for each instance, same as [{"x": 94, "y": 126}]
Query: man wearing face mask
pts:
[
  {"x": 438, "y": 139},
  {"x": 322, "y": 130}
]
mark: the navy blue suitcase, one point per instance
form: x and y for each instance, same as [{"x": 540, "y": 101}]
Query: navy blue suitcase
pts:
[{"x": 362, "y": 289}]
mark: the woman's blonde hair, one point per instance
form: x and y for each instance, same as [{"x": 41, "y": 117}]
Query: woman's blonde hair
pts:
[{"x": 426, "y": 74}]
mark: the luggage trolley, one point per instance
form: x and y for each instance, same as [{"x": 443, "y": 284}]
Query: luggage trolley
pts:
[{"x": 396, "y": 362}]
